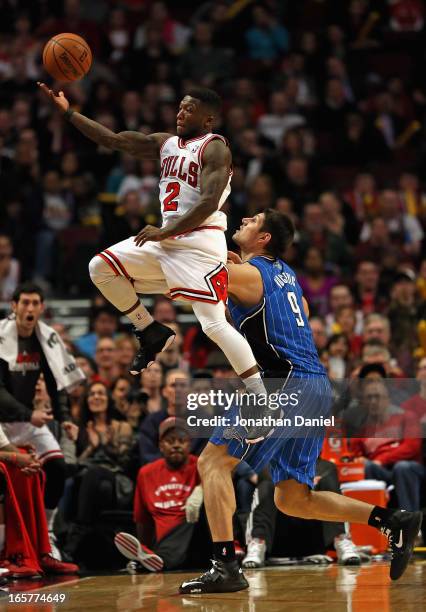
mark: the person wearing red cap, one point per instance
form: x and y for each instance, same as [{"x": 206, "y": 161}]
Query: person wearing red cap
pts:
[{"x": 167, "y": 504}]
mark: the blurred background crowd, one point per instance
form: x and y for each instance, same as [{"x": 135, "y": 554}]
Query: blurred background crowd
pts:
[{"x": 324, "y": 107}]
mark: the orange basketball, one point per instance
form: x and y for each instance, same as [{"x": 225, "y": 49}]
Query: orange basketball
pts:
[{"x": 67, "y": 57}]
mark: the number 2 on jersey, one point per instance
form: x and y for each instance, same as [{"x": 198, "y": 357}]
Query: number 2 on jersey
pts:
[
  {"x": 295, "y": 308},
  {"x": 173, "y": 189}
]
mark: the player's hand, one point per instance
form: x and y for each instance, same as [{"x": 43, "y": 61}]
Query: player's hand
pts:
[
  {"x": 27, "y": 463},
  {"x": 59, "y": 101},
  {"x": 149, "y": 234},
  {"x": 193, "y": 505},
  {"x": 40, "y": 417},
  {"x": 71, "y": 430},
  {"x": 29, "y": 448},
  {"x": 234, "y": 258}
]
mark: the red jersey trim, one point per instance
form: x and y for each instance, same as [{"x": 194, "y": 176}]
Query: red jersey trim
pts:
[
  {"x": 167, "y": 140},
  {"x": 119, "y": 264},
  {"x": 111, "y": 265},
  {"x": 204, "y": 145}
]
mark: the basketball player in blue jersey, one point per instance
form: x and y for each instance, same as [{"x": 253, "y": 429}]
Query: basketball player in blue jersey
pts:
[{"x": 266, "y": 304}]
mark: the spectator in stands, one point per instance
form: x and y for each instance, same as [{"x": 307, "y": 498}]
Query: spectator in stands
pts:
[
  {"x": 333, "y": 247},
  {"x": 367, "y": 287},
  {"x": 126, "y": 349},
  {"x": 417, "y": 403},
  {"x": 316, "y": 284},
  {"x": 266, "y": 39},
  {"x": 346, "y": 324},
  {"x": 389, "y": 445},
  {"x": 363, "y": 197},
  {"x": 167, "y": 505},
  {"x": 405, "y": 229},
  {"x": 176, "y": 386},
  {"x": 204, "y": 62},
  {"x": 103, "y": 452},
  {"x": 164, "y": 310},
  {"x": 378, "y": 245},
  {"x": 377, "y": 328},
  {"x": 219, "y": 366},
  {"x": 9, "y": 269},
  {"x": 119, "y": 390},
  {"x": 151, "y": 382},
  {"x": 275, "y": 124},
  {"x": 104, "y": 325},
  {"x": 106, "y": 360},
  {"x": 341, "y": 295},
  {"x": 319, "y": 332},
  {"x": 403, "y": 315}
]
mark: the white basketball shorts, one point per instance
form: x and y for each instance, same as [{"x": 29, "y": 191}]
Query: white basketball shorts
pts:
[{"x": 186, "y": 267}]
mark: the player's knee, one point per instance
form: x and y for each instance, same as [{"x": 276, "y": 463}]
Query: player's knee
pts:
[
  {"x": 212, "y": 459},
  {"x": 99, "y": 271},
  {"x": 292, "y": 503}
]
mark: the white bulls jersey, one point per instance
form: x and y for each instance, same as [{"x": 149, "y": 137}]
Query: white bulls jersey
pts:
[{"x": 180, "y": 178}]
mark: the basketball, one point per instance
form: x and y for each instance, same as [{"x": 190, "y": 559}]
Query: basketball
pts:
[{"x": 67, "y": 57}]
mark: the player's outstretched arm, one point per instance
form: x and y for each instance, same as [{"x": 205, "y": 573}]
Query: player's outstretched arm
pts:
[
  {"x": 214, "y": 178},
  {"x": 134, "y": 143}
]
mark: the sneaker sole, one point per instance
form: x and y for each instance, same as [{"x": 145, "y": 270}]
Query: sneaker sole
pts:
[
  {"x": 169, "y": 341},
  {"x": 130, "y": 547},
  {"x": 200, "y": 591}
]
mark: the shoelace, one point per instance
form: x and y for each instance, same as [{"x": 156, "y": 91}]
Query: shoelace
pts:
[
  {"x": 388, "y": 533},
  {"x": 211, "y": 571}
]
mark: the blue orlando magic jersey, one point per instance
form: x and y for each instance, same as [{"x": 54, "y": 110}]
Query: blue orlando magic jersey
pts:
[{"x": 277, "y": 329}]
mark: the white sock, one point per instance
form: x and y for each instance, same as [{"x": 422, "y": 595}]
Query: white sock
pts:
[
  {"x": 254, "y": 383},
  {"x": 2, "y": 536},
  {"x": 50, "y": 517},
  {"x": 140, "y": 317}
]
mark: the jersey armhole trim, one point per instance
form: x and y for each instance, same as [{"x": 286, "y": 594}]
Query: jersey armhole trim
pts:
[
  {"x": 162, "y": 146},
  {"x": 203, "y": 146}
]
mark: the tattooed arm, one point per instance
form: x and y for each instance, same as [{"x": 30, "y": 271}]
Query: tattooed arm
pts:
[{"x": 136, "y": 144}]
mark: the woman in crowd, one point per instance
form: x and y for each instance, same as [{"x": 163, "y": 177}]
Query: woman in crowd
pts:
[
  {"x": 151, "y": 384},
  {"x": 103, "y": 452}
]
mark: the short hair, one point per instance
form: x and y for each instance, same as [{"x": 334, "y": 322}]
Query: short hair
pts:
[
  {"x": 208, "y": 97},
  {"x": 281, "y": 228},
  {"x": 27, "y": 287}
]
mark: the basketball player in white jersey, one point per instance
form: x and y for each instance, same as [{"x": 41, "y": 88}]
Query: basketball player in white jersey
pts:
[{"x": 185, "y": 258}]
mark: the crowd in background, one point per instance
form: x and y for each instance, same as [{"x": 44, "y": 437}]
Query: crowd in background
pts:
[{"x": 324, "y": 109}]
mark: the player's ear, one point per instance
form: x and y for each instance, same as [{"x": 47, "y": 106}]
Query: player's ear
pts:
[
  {"x": 209, "y": 122},
  {"x": 265, "y": 238},
  {"x": 14, "y": 306}
]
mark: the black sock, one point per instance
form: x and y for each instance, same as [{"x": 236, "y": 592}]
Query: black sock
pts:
[
  {"x": 380, "y": 516},
  {"x": 224, "y": 551}
]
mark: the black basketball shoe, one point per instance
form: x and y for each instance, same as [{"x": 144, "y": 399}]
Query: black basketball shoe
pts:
[
  {"x": 401, "y": 529},
  {"x": 153, "y": 339},
  {"x": 221, "y": 578}
]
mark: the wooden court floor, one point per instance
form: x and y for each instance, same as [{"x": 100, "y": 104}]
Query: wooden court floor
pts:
[{"x": 292, "y": 589}]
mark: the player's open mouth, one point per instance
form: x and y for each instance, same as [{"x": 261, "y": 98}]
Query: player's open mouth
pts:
[{"x": 30, "y": 318}]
